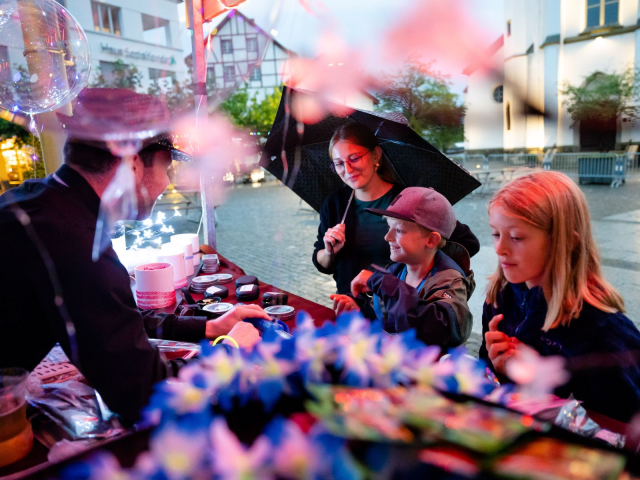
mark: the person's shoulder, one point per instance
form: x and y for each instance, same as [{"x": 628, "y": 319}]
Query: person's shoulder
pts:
[
  {"x": 444, "y": 264},
  {"x": 616, "y": 322}
]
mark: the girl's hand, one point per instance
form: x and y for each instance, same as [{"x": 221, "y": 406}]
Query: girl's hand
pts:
[
  {"x": 334, "y": 237},
  {"x": 359, "y": 284},
  {"x": 343, "y": 303},
  {"x": 500, "y": 346}
]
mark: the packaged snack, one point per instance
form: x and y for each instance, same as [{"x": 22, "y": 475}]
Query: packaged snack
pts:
[{"x": 550, "y": 459}]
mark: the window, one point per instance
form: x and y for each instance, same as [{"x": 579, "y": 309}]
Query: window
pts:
[
  {"x": 106, "y": 18},
  {"x": 602, "y": 13},
  {"x": 508, "y": 115},
  {"x": 227, "y": 46},
  {"x": 229, "y": 73},
  {"x": 252, "y": 44},
  {"x": 157, "y": 74},
  {"x": 498, "y": 93},
  {"x": 108, "y": 71},
  {"x": 256, "y": 74},
  {"x": 211, "y": 74},
  {"x": 156, "y": 30}
]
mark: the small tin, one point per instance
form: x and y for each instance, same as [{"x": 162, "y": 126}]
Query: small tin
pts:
[
  {"x": 218, "y": 308},
  {"x": 222, "y": 278},
  {"x": 246, "y": 280},
  {"x": 208, "y": 301},
  {"x": 216, "y": 291},
  {"x": 247, "y": 293},
  {"x": 281, "y": 312},
  {"x": 204, "y": 279},
  {"x": 274, "y": 298}
]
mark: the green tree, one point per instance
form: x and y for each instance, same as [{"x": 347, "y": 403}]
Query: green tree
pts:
[
  {"x": 603, "y": 97},
  {"x": 424, "y": 97},
  {"x": 122, "y": 76},
  {"x": 250, "y": 113}
]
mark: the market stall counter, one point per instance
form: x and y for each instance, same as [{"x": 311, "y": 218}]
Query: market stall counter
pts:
[{"x": 36, "y": 460}]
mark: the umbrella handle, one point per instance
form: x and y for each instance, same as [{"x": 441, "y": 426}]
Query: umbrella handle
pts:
[{"x": 353, "y": 192}]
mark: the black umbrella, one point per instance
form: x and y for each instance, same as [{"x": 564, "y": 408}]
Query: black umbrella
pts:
[{"x": 414, "y": 161}]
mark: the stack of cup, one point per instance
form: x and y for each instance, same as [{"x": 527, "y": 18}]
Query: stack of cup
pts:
[
  {"x": 188, "y": 255},
  {"x": 195, "y": 243},
  {"x": 174, "y": 255},
  {"x": 154, "y": 285}
]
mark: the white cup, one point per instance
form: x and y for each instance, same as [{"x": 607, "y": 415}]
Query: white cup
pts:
[
  {"x": 175, "y": 257},
  {"x": 155, "y": 285},
  {"x": 188, "y": 255}
]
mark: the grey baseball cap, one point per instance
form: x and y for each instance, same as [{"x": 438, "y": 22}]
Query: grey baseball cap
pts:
[{"x": 423, "y": 206}]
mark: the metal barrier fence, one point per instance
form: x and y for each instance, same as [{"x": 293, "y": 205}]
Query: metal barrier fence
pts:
[{"x": 584, "y": 167}]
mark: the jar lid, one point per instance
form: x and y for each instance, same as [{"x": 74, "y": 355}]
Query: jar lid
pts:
[
  {"x": 216, "y": 291},
  {"x": 218, "y": 308},
  {"x": 246, "y": 280},
  {"x": 247, "y": 292},
  {"x": 281, "y": 312}
]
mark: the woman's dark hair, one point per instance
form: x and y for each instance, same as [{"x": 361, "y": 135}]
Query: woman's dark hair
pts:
[
  {"x": 359, "y": 134},
  {"x": 98, "y": 160}
]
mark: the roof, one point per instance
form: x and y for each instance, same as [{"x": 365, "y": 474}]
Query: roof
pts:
[
  {"x": 491, "y": 51},
  {"x": 251, "y": 22}
]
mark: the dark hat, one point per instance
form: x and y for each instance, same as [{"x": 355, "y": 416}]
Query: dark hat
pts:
[
  {"x": 111, "y": 114},
  {"x": 423, "y": 206}
]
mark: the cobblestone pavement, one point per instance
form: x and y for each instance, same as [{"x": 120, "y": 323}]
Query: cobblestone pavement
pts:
[{"x": 268, "y": 232}]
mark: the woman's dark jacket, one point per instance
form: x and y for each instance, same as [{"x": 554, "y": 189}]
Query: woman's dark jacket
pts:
[
  {"x": 601, "y": 349},
  {"x": 348, "y": 261}
]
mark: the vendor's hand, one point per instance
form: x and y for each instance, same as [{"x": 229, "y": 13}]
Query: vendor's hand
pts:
[
  {"x": 222, "y": 325},
  {"x": 359, "y": 284},
  {"x": 500, "y": 346},
  {"x": 343, "y": 303},
  {"x": 245, "y": 334},
  {"x": 334, "y": 237}
]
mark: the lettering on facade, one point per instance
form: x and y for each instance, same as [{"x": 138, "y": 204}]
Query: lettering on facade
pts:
[{"x": 137, "y": 54}]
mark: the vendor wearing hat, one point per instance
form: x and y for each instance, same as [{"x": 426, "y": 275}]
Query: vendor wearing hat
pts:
[
  {"x": 51, "y": 291},
  {"x": 424, "y": 288}
]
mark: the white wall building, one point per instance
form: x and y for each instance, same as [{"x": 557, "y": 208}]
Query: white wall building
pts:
[
  {"x": 547, "y": 45},
  {"x": 144, "y": 33}
]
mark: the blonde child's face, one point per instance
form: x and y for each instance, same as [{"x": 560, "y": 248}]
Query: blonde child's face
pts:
[
  {"x": 523, "y": 250},
  {"x": 407, "y": 242}
]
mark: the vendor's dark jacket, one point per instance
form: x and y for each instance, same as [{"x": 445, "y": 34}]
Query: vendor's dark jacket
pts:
[
  {"x": 348, "y": 261},
  {"x": 601, "y": 349},
  {"x": 438, "y": 312},
  {"x": 114, "y": 352}
]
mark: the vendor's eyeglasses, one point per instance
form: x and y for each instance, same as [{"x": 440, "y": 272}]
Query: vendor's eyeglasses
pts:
[{"x": 353, "y": 160}]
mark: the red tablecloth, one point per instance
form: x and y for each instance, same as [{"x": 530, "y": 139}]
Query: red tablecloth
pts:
[{"x": 318, "y": 312}]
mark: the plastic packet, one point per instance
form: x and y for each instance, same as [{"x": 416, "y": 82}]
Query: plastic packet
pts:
[
  {"x": 78, "y": 409},
  {"x": 574, "y": 417}
]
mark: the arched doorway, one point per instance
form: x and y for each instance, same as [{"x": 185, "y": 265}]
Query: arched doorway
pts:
[{"x": 599, "y": 133}]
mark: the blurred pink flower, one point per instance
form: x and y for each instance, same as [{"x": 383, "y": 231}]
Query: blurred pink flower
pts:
[
  {"x": 536, "y": 375},
  {"x": 438, "y": 30},
  {"x": 335, "y": 75},
  {"x": 231, "y": 460}
]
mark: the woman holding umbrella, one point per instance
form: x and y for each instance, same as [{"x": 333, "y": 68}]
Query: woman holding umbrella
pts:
[{"x": 349, "y": 238}]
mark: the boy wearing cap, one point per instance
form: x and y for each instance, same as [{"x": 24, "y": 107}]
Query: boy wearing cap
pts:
[{"x": 424, "y": 288}]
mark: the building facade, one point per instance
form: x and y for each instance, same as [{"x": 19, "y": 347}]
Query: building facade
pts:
[
  {"x": 239, "y": 52},
  {"x": 144, "y": 33},
  {"x": 547, "y": 45}
]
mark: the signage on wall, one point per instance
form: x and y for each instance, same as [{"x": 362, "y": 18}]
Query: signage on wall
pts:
[{"x": 138, "y": 54}]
